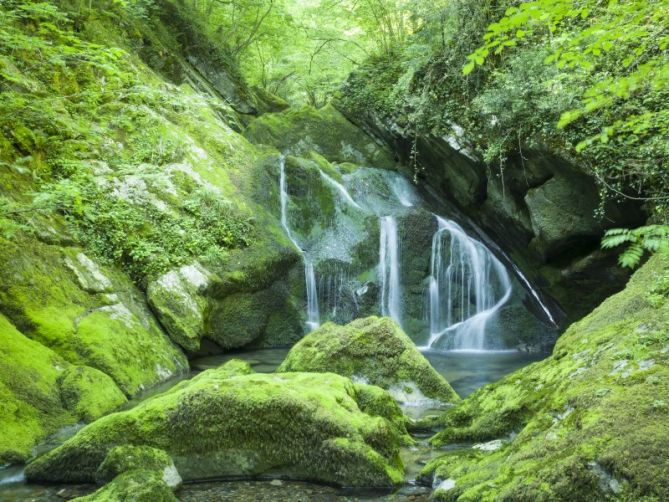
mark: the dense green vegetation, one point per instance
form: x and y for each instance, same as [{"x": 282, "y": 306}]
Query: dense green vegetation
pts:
[
  {"x": 585, "y": 80},
  {"x": 182, "y": 178},
  {"x": 103, "y": 142}
]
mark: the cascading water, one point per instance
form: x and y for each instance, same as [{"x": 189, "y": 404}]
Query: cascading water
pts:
[
  {"x": 389, "y": 269},
  {"x": 313, "y": 316},
  {"x": 470, "y": 304},
  {"x": 467, "y": 288},
  {"x": 340, "y": 189}
]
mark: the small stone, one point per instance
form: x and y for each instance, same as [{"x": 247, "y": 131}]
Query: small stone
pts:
[{"x": 493, "y": 445}]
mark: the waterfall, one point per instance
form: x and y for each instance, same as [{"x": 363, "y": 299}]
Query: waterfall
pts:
[
  {"x": 313, "y": 317},
  {"x": 467, "y": 287},
  {"x": 340, "y": 188},
  {"x": 389, "y": 269},
  {"x": 283, "y": 190}
]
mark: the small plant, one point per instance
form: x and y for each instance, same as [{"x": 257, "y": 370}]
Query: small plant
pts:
[{"x": 650, "y": 238}]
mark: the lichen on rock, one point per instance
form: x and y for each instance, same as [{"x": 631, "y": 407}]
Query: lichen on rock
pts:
[{"x": 178, "y": 301}]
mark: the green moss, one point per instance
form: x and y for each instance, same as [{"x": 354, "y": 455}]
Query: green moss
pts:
[
  {"x": 374, "y": 349},
  {"x": 126, "y": 458},
  {"x": 588, "y": 422},
  {"x": 41, "y": 392},
  {"x": 325, "y": 131},
  {"x": 89, "y": 393},
  {"x": 29, "y": 392},
  {"x": 112, "y": 332},
  {"x": 112, "y": 341},
  {"x": 139, "y": 485},
  {"x": 299, "y": 424}
]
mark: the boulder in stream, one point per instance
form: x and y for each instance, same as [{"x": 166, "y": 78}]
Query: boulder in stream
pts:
[
  {"x": 374, "y": 350},
  {"x": 224, "y": 423}
]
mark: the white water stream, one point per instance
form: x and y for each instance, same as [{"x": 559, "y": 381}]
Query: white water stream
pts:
[
  {"x": 313, "y": 316},
  {"x": 389, "y": 269},
  {"x": 468, "y": 286}
]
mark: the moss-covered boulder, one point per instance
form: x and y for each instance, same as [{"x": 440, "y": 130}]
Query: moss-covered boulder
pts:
[
  {"x": 89, "y": 393},
  {"x": 41, "y": 392},
  {"x": 324, "y": 130},
  {"x": 177, "y": 299},
  {"x": 139, "y": 485},
  {"x": 127, "y": 458},
  {"x": 300, "y": 424},
  {"x": 588, "y": 423},
  {"x": 88, "y": 314},
  {"x": 372, "y": 349}
]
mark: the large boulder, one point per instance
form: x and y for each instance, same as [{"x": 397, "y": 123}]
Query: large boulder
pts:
[
  {"x": 373, "y": 349},
  {"x": 41, "y": 392},
  {"x": 245, "y": 298},
  {"x": 588, "y": 423},
  {"x": 227, "y": 423},
  {"x": 88, "y": 314}
]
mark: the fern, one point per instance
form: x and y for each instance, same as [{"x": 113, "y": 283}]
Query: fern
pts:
[{"x": 650, "y": 238}]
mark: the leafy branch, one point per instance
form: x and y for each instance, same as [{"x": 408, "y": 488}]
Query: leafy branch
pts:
[{"x": 650, "y": 238}]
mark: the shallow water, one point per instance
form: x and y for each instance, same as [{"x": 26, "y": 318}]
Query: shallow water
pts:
[{"x": 466, "y": 371}]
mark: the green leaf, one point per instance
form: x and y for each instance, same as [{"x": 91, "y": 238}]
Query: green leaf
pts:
[{"x": 468, "y": 68}]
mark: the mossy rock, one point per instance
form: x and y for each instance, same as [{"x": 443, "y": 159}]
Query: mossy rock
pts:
[
  {"x": 216, "y": 425},
  {"x": 88, "y": 314},
  {"x": 178, "y": 300},
  {"x": 588, "y": 423},
  {"x": 89, "y": 393},
  {"x": 241, "y": 318},
  {"x": 373, "y": 349},
  {"x": 41, "y": 392},
  {"x": 128, "y": 458},
  {"x": 324, "y": 130},
  {"x": 139, "y": 485}
]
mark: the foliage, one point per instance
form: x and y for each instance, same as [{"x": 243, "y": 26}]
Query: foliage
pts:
[
  {"x": 94, "y": 140},
  {"x": 650, "y": 238},
  {"x": 596, "y": 69}
]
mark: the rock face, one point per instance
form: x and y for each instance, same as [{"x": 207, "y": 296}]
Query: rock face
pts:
[
  {"x": 588, "y": 423},
  {"x": 373, "y": 349},
  {"x": 325, "y": 131},
  {"x": 227, "y": 423},
  {"x": 87, "y": 314}
]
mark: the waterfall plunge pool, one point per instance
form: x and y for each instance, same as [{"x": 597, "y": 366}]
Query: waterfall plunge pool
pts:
[{"x": 465, "y": 370}]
